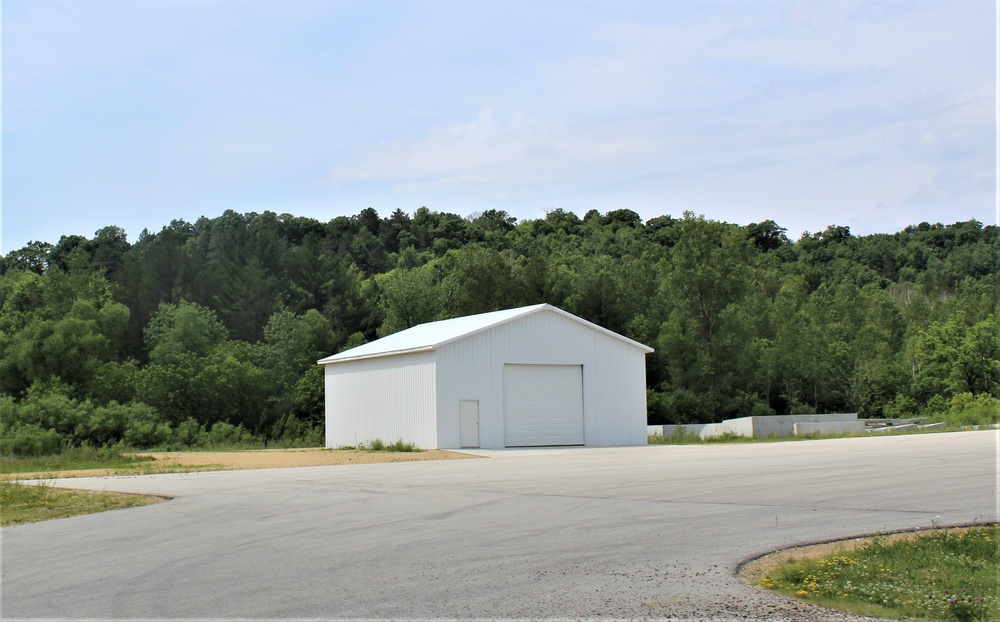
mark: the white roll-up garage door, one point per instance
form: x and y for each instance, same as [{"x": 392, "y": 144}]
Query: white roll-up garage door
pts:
[{"x": 542, "y": 405}]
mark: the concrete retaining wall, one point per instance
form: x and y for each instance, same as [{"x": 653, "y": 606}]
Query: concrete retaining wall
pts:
[
  {"x": 831, "y": 427},
  {"x": 784, "y": 425},
  {"x": 769, "y": 425},
  {"x": 667, "y": 430}
]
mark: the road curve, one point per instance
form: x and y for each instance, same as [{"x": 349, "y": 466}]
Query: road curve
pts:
[{"x": 639, "y": 532}]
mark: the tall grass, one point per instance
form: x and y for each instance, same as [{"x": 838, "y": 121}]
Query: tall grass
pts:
[
  {"x": 75, "y": 458},
  {"x": 380, "y": 445}
]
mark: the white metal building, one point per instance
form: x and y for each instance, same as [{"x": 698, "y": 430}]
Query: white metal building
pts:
[{"x": 532, "y": 376}]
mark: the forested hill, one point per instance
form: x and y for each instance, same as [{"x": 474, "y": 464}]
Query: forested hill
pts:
[{"x": 221, "y": 320}]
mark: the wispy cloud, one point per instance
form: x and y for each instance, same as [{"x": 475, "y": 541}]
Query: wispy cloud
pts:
[{"x": 870, "y": 114}]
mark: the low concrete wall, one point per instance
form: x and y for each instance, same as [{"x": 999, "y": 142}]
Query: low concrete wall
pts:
[
  {"x": 784, "y": 425},
  {"x": 740, "y": 427},
  {"x": 768, "y": 425},
  {"x": 667, "y": 430},
  {"x": 830, "y": 427}
]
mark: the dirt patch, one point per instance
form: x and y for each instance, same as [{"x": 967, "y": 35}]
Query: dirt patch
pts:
[
  {"x": 280, "y": 458},
  {"x": 170, "y": 462}
]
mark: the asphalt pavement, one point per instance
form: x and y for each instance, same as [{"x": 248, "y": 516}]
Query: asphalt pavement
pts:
[{"x": 651, "y": 532}]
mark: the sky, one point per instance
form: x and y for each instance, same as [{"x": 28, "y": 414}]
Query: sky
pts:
[{"x": 872, "y": 115}]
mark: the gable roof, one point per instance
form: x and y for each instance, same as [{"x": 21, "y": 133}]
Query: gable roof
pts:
[{"x": 433, "y": 335}]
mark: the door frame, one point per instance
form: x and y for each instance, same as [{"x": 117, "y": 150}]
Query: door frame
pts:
[{"x": 468, "y": 417}]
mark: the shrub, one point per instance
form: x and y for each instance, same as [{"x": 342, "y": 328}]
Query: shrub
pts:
[
  {"x": 291, "y": 431},
  {"x": 225, "y": 434},
  {"x": 8, "y": 409},
  {"x": 187, "y": 433},
  {"x": 901, "y": 407},
  {"x": 966, "y": 409},
  {"x": 29, "y": 440},
  {"x": 115, "y": 382},
  {"x": 310, "y": 394},
  {"x": 51, "y": 409},
  {"x": 145, "y": 428},
  {"x": 105, "y": 425}
]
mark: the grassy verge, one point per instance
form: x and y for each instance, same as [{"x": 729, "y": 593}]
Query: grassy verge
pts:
[
  {"x": 74, "y": 459},
  {"x": 21, "y": 503},
  {"x": 683, "y": 437},
  {"x": 680, "y": 436},
  {"x": 941, "y": 575}
]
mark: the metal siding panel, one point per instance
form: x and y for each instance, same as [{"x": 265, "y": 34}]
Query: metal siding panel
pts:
[
  {"x": 387, "y": 398},
  {"x": 463, "y": 374},
  {"x": 613, "y": 377},
  {"x": 620, "y": 393}
]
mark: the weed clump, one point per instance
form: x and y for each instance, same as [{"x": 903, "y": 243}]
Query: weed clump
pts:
[{"x": 379, "y": 445}]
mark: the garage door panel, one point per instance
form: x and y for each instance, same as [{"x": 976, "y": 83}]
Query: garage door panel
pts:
[{"x": 543, "y": 405}]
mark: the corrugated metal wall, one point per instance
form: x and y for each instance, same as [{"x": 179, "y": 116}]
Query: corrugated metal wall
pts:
[
  {"x": 614, "y": 378},
  {"x": 387, "y": 398}
]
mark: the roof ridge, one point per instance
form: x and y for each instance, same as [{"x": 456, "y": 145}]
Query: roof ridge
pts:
[{"x": 433, "y": 335}]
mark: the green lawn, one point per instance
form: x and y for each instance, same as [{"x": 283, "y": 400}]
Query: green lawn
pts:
[
  {"x": 951, "y": 574},
  {"x": 22, "y": 503}
]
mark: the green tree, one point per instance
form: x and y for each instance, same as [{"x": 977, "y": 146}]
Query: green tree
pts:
[
  {"x": 183, "y": 329},
  {"x": 706, "y": 277},
  {"x": 292, "y": 345},
  {"x": 478, "y": 280},
  {"x": 408, "y": 297},
  {"x": 951, "y": 358}
]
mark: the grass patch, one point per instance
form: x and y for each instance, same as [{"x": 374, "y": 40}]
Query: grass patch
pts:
[
  {"x": 20, "y": 503},
  {"x": 680, "y": 436},
  {"x": 942, "y": 575},
  {"x": 379, "y": 445},
  {"x": 74, "y": 459}
]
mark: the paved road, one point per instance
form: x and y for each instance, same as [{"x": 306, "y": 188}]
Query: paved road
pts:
[{"x": 639, "y": 532}]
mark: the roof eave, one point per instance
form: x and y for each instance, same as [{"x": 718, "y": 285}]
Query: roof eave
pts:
[
  {"x": 610, "y": 333},
  {"x": 330, "y": 360}
]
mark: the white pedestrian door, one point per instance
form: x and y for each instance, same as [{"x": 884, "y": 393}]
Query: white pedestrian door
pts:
[
  {"x": 468, "y": 423},
  {"x": 542, "y": 405}
]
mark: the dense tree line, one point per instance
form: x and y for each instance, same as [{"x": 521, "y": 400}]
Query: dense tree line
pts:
[{"x": 210, "y": 330}]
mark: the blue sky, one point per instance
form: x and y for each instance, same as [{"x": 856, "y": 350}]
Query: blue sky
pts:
[{"x": 873, "y": 115}]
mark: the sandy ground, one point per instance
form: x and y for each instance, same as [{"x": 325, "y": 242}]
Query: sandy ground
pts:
[{"x": 255, "y": 459}]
